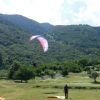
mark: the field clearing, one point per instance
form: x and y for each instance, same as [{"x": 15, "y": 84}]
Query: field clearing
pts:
[{"x": 39, "y": 89}]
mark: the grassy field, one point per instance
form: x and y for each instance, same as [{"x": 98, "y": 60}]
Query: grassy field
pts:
[{"x": 39, "y": 89}]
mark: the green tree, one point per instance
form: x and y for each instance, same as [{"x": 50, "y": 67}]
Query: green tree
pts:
[
  {"x": 94, "y": 75},
  {"x": 38, "y": 71},
  {"x": 73, "y": 67},
  {"x": 3, "y": 74},
  {"x": 24, "y": 73},
  {"x": 1, "y": 60},
  {"x": 64, "y": 71},
  {"x": 83, "y": 62},
  {"x": 52, "y": 73},
  {"x": 87, "y": 68},
  {"x": 14, "y": 67}
]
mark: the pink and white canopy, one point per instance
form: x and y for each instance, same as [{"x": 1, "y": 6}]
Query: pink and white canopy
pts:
[{"x": 42, "y": 40}]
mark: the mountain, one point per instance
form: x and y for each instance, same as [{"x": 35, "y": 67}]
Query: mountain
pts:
[
  {"x": 67, "y": 42},
  {"x": 48, "y": 26},
  {"x": 27, "y": 24},
  {"x": 15, "y": 46},
  {"x": 83, "y": 38}
]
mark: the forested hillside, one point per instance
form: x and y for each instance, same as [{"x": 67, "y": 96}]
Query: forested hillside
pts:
[
  {"x": 69, "y": 42},
  {"x": 83, "y": 38},
  {"x": 27, "y": 24}
]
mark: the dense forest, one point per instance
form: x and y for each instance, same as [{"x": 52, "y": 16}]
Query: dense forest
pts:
[
  {"x": 27, "y": 24},
  {"x": 67, "y": 43}
]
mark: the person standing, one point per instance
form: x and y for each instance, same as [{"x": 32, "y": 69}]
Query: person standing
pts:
[{"x": 66, "y": 91}]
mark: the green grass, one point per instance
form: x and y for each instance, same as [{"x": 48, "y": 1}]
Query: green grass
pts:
[{"x": 38, "y": 89}]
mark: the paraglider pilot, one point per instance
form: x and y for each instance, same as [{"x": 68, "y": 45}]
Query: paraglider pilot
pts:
[
  {"x": 34, "y": 64},
  {"x": 66, "y": 91}
]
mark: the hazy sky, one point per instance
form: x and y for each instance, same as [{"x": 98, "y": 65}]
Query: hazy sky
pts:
[{"x": 56, "y": 12}]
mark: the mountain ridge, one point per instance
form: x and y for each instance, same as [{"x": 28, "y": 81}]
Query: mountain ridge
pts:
[
  {"x": 66, "y": 42},
  {"x": 29, "y": 25}
]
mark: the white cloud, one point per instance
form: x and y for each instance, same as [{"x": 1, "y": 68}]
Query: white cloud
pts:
[
  {"x": 93, "y": 11},
  {"x": 73, "y": 1},
  {"x": 88, "y": 14},
  {"x": 39, "y": 10},
  {"x": 55, "y": 11},
  {"x": 3, "y": 7},
  {"x": 80, "y": 16}
]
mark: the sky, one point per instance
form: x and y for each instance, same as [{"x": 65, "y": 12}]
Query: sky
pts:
[{"x": 55, "y": 12}]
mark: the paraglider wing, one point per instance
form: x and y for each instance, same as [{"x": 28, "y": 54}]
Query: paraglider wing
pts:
[
  {"x": 44, "y": 43},
  {"x": 33, "y": 37},
  {"x": 42, "y": 40}
]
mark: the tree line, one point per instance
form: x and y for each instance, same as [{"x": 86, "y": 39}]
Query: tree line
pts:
[{"x": 23, "y": 72}]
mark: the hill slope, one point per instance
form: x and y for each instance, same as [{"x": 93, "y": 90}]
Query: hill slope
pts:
[
  {"x": 83, "y": 38},
  {"x": 65, "y": 43},
  {"x": 27, "y": 24}
]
